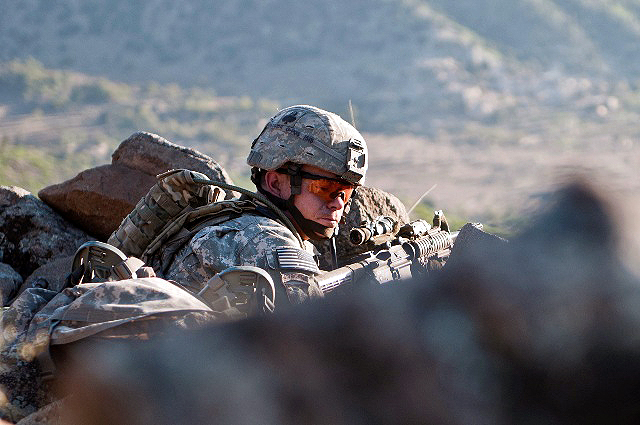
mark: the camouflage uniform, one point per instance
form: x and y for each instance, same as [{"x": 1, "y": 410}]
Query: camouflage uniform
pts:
[
  {"x": 296, "y": 136},
  {"x": 38, "y": 319},
  {"x": 205, "y": 236},
  {"x": 252, "y": 240}
]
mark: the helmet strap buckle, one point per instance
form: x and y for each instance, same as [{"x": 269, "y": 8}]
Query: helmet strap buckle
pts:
[{"x": 295, "y": 178}]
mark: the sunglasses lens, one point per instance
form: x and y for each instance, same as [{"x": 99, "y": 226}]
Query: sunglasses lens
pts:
[{"x": 329, "y": 190}]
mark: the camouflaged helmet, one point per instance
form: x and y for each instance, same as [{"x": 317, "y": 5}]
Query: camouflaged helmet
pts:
[{"x": 308, "y": 135}]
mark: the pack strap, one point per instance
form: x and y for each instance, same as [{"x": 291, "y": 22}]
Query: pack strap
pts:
[
  {"x": 222, "y": 208},
  {"x": 260, "y": 198}
]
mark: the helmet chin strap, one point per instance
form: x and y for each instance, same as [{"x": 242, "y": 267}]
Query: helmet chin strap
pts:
[{"x": 310, "y": 228}]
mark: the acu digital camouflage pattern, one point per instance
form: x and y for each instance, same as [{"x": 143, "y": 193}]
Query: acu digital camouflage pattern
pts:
[
  {"x": 40, "y": 318},
  {"x": 311, "y": 136},
  {"x": 173, "y": 195},
  {"x": 145, "y": 307},
  {"x": 188, "y": 237},
  {"x": 248, "y": 240}
]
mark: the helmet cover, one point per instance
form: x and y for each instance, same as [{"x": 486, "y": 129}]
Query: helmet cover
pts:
[{"x": 308, "y": 135}]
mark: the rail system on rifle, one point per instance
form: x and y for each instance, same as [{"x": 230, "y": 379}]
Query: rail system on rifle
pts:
[{"x": 415, "y": 249}]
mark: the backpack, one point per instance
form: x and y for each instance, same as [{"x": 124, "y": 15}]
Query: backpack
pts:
[
  {"x": 174, "y": 194},
  {"x": 170, "y": 214}
]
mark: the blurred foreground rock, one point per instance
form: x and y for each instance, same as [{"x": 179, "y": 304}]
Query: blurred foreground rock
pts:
[
  {"x": 31, "y": 233},
  {"x": 542, "y": 329},
  {"x": 49, "y": 415},
  {"x": 367, "y": 203},
  {"x": 561, "y": 313},
  {"x": 97, "y": 200}
]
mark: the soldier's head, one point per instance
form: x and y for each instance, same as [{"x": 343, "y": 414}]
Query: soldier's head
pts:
[{"x": 308, "y": 161}]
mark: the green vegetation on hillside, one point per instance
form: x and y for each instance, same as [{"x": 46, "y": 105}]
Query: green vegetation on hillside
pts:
[{"x": 55, "y": 123}]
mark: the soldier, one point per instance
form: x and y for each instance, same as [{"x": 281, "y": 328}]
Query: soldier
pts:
[{"x": 306, "y": 161}]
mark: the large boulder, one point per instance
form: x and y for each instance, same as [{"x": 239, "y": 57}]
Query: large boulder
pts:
[
  {"x": 31, "y": 233},
  {"x": 97, "y": 200},
  {"x": 153, "y": 155},
  {"x": 367, "y": 203},
  {"x": 555, "y": 313}
]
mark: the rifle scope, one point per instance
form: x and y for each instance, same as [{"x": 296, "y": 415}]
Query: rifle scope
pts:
[{"x": 381, "y": 226}]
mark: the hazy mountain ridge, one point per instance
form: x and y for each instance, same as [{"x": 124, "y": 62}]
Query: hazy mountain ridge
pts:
[
  {"x": 78, "y": 120},
  {"x": 487, "y": 98},
  {"x": 385, "y": 55}
]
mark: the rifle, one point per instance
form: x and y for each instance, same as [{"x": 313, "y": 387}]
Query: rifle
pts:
[{"x": 411, "y": 251}]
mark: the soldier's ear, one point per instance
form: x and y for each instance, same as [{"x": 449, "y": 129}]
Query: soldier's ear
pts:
[{"x": 276, "y": 183}]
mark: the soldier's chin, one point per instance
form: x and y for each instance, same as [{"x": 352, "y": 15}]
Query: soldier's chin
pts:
[{"x": 322, "y": 232}]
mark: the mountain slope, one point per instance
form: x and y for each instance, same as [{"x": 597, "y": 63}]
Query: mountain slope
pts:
[
  {"x": 396, "y": 60},
  {"x": 491, "y": 99}
]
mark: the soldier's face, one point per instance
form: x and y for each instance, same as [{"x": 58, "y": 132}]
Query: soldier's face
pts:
[{"x": 321, "y": 201}]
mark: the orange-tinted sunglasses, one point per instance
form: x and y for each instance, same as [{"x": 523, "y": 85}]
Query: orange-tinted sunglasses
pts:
[{"x": 328, "y": 188}]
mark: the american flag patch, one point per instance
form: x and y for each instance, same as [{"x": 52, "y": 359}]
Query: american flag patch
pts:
[{"x": 292, "y": 258}]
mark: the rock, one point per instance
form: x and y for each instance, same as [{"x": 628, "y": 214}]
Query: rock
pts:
[
  {"x": 31, "y": 233},
  {"x": 472, "y": 242},
  {"x": 327, "y": 364},
  {"x": 51, "y": 414},
  {"x": 10, "y": 282},
  {"x": 367, "y": 203},
  {"x": 97, "y": 200},
  {"x": 153, "y": 155},
  {"x": 556, "y": 307},
  {"x": 22, "y": 388},
  {"x": 50, "y": 276}
]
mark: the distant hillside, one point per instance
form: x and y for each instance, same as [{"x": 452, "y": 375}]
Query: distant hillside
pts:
[
  {"x": 407, "y": 65},
  {"x": 582, "y": 37},
  {"x": 54, "y": 123},
  {"x": 490, "y": 99}
]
